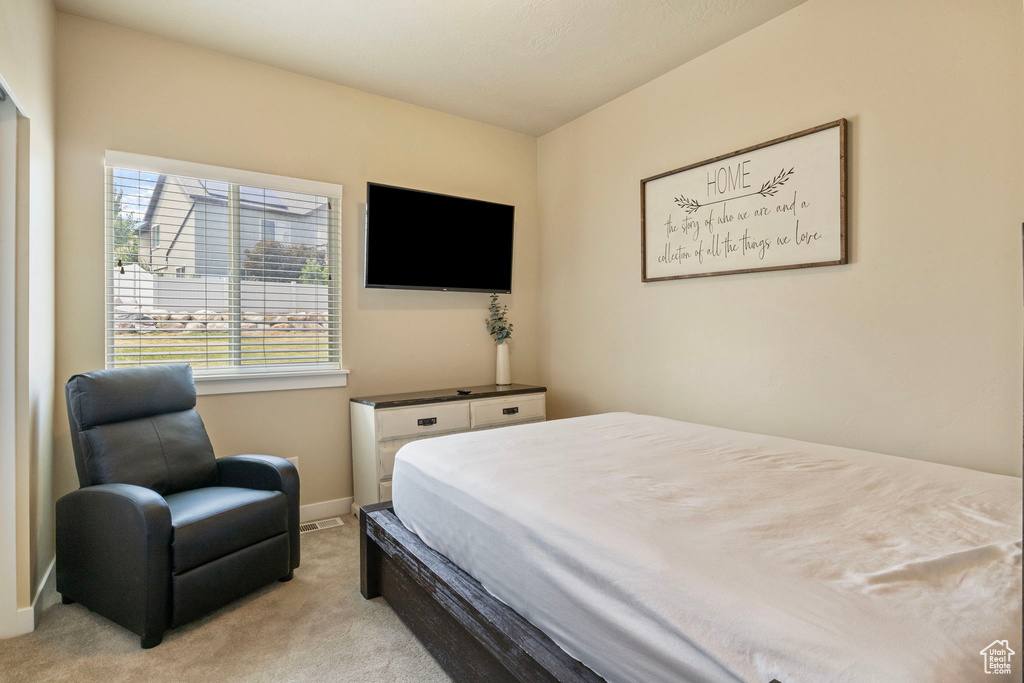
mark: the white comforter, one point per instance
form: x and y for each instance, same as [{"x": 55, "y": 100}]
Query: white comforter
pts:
[{"x": 657, "y": 550}]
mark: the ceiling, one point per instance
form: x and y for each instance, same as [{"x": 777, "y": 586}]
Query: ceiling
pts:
[{"x": 525, "y": 65}]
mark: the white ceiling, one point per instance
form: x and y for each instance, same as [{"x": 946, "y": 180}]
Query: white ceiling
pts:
[{"x": 526, "y": 65}]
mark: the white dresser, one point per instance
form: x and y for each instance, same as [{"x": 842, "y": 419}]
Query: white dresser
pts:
[{"x": 383, "y": 424}]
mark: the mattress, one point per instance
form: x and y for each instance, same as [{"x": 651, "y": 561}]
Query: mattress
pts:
[{"x": 657, "y": 550}]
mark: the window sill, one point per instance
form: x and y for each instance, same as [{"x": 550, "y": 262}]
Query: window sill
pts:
[{"x": 245, "y": 384}]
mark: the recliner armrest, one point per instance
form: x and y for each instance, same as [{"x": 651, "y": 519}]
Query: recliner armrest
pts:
[
  {"x": 266, "y": 473},
  {"x": 262, "y": 472},
  {"x": 113, "y": 554}
]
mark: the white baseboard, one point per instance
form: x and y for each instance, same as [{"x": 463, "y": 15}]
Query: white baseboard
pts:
[
  {"x": 28, "y": 618},
  {"x": 24, "y": 621},
  {"x": 327, "y": 508},
  {"x": 47, "y": 587}
]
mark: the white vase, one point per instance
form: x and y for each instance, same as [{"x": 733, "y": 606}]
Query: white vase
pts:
[{"x": 503, "y": 369}]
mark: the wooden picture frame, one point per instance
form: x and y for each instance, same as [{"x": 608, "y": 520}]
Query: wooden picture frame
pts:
[{"x": 692, "y": 232}]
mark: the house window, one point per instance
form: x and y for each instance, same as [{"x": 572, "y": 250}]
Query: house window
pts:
[{"x": 226, "y": 295}]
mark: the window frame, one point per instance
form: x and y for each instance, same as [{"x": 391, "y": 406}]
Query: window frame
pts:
[{"x": 240, "y": 379}]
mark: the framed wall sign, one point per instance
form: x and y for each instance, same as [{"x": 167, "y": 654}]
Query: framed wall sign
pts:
[{"x": 773, "y": 206}]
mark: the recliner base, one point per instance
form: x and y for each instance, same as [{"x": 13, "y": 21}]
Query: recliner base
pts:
[
  {"x": 151, "y": 641},
  {"x": 209, "y": 587}
]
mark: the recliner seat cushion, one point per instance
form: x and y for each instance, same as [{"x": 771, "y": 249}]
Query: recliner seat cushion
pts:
[
  {"x": 212, "y": 522},
  {"x": 167, "y": 453}
]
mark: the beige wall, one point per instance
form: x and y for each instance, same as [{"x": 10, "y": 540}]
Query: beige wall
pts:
[
  {"x": 914, "y": 348},
  {"x": 26, "y": 64},
  {"x": 127, "y": 91}
]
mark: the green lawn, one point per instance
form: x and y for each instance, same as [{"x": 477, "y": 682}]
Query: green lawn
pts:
[{"x": 211, "y": 349}]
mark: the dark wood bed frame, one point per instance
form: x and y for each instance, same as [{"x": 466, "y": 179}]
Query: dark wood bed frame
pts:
[{"x": 472, "y": 635}]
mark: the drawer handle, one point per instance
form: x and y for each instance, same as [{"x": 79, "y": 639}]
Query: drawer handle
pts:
[
  {"x": 426, "y": 421},
  {"x": 510, "y": 411}
]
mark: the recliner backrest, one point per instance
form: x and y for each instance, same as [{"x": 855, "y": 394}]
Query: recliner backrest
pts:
[{"x": 139, "y": 426}]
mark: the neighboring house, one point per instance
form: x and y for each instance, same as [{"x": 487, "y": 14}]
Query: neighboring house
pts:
[{"x": 185, "y": 228}]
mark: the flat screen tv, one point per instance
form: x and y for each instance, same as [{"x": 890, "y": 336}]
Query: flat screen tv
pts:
[{"x": 423, "y": 240}]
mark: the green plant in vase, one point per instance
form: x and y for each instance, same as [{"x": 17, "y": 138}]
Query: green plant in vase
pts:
[
  {"x": 498, "y": 324},
  {"x": 500, "y": 328}
]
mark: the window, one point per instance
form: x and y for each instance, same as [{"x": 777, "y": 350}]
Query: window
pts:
[{"x": 222, "y": 290}]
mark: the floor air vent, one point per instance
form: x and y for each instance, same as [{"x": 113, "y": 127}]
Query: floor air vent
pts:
[{"x": 322, "y": 524}]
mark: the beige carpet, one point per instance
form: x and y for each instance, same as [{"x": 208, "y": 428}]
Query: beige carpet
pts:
[{"x": 317, "y": 627}]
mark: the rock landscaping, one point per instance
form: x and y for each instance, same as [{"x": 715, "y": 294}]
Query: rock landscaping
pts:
[{"x": 127, "y": 320}]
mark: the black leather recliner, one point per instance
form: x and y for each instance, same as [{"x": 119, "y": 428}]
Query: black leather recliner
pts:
[{"x": 162, "y": 532}]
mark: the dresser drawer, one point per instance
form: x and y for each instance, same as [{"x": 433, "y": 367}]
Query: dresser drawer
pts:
[
  {"x": 498, "y": 411},
  {"x": 386, "y": 452},
  {"x": 386, "y": 458},
  {"x": 385, "y": 491},
  {"x": 422, "y": 420}
]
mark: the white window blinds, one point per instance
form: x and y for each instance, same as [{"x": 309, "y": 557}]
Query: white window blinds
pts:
[{"x": 231, "y": 277}]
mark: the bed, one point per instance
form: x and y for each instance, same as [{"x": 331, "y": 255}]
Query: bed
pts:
[{"x": 630, "y": 547}]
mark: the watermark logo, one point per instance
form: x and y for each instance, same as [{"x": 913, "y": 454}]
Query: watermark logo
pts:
[{"x": 997, "y": 657}]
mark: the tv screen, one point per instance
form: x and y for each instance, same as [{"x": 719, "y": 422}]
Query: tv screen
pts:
[{"x": 423, "y": 240}]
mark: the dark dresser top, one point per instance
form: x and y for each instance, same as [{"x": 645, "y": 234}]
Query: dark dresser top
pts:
[{"x": 442, "y": 395}]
